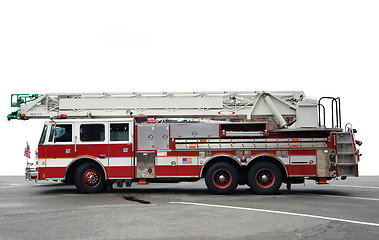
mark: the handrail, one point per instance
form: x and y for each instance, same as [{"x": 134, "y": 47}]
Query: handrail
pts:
[{"x": 336, "y": 111}]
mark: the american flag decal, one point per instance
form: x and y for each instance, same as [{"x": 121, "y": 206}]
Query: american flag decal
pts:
[{"x": 187, "y": 160}]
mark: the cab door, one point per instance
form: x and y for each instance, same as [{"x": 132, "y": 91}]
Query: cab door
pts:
[
  {"x": 59, "y": 150},
  {"x": 120, "y": 150}
]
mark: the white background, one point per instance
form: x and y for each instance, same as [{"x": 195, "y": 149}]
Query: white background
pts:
[{"x": 325, "y": 48}]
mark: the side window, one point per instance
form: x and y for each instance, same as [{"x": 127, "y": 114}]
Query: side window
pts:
[
  {"x": 119, "y": 131},
  {"x": 92, "y": 132},
  {"x": 61, "y": 133}
]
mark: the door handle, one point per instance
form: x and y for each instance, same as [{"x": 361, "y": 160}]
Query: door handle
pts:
[{"x": 75, "y": 143}]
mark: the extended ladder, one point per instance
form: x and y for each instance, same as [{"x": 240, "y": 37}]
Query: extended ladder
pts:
[{"x": 282, "y": 106}]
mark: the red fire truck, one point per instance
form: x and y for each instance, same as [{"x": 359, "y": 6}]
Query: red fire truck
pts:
[{"x": 262, "y": 139}]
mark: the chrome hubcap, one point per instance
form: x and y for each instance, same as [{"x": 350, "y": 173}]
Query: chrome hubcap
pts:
[
  {"x": 221, "y": 178},
  {"x": 91, "y": 178},
  {"x": 264, "y": 178}
]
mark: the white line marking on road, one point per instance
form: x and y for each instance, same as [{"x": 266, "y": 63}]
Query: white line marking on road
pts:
[
  {"x": 280, "y": 212},
  {"x": 359, "y": 198},
  {"x": 356, "y": 186},
  {"x": 14, "y": 185}
]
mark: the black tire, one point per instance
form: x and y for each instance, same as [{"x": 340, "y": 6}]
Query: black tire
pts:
[
  {"x": 264, "y": 178},
  {"x": 89, "y": 178},
  {"x": 222, "y": 178}
]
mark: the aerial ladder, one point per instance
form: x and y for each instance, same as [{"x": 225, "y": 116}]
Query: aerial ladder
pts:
[{"x": 285, "y": 108}]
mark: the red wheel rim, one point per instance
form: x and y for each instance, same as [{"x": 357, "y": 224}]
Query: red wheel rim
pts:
[
  {"x": 222, "y": 178},
  {"x": 91, "y": 178},
  {"x": 265, "y": 178}
]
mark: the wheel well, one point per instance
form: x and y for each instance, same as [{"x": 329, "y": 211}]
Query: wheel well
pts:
[
  {"x": 272, "y": 160},
  {"x": 218, "y": 159},
  {"x": 69, "y": 175}
]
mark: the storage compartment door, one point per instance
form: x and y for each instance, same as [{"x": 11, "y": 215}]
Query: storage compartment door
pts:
[{"x": 145, "y": 164}]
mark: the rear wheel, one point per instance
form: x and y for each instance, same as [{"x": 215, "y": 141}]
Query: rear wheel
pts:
[
  {"x": 222, "y": 178},
  {"x": 89, "y": 178},
  {"x": 264, "y": 178}
]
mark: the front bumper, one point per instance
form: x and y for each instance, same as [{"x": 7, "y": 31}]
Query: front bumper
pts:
[{"x": 31, "y": 173}]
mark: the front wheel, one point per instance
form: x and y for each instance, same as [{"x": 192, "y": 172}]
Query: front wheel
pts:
[
  {"x": 89, "y": 178},
  {"x": 222, "y": 178},
  {"x": 264, "y": 178}
]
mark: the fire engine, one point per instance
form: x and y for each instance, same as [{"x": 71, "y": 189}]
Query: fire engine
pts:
[{"x": 263, "y": 139}]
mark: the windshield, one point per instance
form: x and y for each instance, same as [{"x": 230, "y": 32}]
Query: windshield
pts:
[{"x": 43, "y": 135}]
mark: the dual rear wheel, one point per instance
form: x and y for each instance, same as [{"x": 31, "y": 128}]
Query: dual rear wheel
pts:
[
  {"x": 263, "y": 178},
  {"x": 222, "y": 178}
]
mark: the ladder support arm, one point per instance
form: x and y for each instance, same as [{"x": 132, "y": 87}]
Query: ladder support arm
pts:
[{"x": 278, "y": 117}]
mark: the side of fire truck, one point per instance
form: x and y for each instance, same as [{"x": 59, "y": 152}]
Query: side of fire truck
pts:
[{"x": 261, "y": 139}]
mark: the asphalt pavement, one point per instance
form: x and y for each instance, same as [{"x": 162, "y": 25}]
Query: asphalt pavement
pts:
[{"x": 48, "y": 210}]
